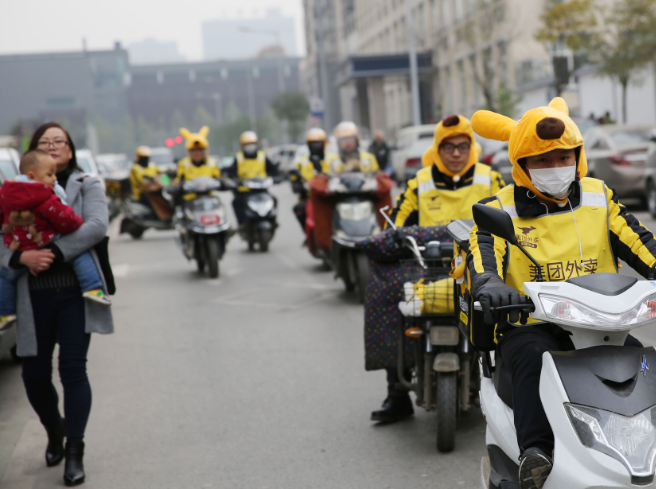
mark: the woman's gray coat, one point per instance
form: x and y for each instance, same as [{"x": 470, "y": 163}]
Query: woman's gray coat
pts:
[{"x": 86, "y": 196}]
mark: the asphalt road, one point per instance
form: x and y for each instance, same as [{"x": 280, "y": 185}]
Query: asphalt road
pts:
[{"x": 253, "y": 380}]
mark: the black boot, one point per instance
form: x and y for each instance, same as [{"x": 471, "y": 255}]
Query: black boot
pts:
[
  {"x": 74, "y": 469},
  {"x": 55, "y": 449},
  {"x": 395, "y": 408}
]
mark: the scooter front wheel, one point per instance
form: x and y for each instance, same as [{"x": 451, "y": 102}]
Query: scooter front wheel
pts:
[
  {"x": 447, "y": 410},
  {"x": 212, "y": 255}
]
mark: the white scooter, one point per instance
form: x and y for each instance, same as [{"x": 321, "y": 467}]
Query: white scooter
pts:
[{"x": 600, "y": 399}]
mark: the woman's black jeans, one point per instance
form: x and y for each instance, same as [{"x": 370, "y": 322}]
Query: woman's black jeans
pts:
[{"x": 59, "y": 318}]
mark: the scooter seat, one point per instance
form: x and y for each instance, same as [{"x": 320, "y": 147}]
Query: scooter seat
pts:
[{"x": 502, "y": 379}]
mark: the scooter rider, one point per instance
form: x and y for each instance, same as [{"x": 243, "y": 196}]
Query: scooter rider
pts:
[
  {"x": 250, "y": 162},
  {"x": 350, "y": 156},
  {"x": 450, "y": 183},
  {"x": 572, "y": 226},
  {"x": 317, "y": 162},
  {"x": 142, "y": 173}
]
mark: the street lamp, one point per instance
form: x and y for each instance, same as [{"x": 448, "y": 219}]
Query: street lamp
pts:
[
  {"x": 414, "y": 78},
  {"x": 276, "y": 34}
]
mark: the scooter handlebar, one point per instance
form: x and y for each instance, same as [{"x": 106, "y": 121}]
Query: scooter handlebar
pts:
[{"x": 525, "y": 305}]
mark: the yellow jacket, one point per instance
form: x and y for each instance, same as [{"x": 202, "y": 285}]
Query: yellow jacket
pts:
[
  {"x": 436, "y": 201},
  {"x": 137, "y": 174},
  {"x": 367, "y": 161},
  {"x": 188, "y": 171},
  {"x": 307, "y": 170}
]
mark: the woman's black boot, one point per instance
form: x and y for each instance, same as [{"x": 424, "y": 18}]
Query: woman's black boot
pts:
[
  {"x": 55, "y": 449},
  {"x": 74, "y": 468}
]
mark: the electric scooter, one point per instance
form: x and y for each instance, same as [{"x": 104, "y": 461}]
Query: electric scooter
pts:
[{"x": 600, "y": 399}]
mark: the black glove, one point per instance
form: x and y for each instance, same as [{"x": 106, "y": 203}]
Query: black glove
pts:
[{"x": 495, "y": 293}]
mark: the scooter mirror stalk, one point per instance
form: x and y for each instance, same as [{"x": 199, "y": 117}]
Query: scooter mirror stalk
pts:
[{"x": 498, "y": 223}]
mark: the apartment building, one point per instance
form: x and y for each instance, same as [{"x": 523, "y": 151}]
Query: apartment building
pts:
[{"x": 480, "y": 51}]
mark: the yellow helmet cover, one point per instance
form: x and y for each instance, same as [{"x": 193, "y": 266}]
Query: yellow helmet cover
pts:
[
  {"x": 196, "y": 140},
  {"x": 346, "y": 129},
  {"x": 450, "y": 126},
  {"x": 316, "y": 134},
  {"x": 539, "y": 131}
]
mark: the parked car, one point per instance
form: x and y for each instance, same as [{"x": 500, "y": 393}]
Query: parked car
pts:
[
  {"x": 489, "y": 147},
  {"x": 87, "y": 163},
  {"x": 617, "y": 155},
  {"x": 283, "y": 156},
  {"x": 9, "y": 163},
  {"x": 650, "y": 177},
  {"x": 411, "y": 143},
  {"x": 163, "y": 157}
]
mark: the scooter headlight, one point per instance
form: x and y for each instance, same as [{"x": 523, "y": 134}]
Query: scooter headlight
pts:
[
  {"x": 261, "y": 207},
  {"x": 571, "y": 311},
  {"x": 355, "y": 212},
  {"x": 628, "y": 439}
]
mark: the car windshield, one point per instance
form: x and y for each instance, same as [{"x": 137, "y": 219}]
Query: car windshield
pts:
[
  {"x": 8, "y": 169},
  {"x": 628, "y": 137},
  {"x": 161, "y": 159},
  {"x": 84, "y": 164}
]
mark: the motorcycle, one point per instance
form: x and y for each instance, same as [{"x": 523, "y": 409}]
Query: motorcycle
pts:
[
  {"x": 138, "y": 217},
  {"x": 202, "y": 224},
  {"x": 600, "y": 398},
  {"x": 260, "y": 211},
  {"x": 445, "y": 375},
  {"x": 354, "y": 219}
]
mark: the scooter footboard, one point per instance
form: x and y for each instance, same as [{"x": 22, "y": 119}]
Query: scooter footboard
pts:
[{"x": 575, "y": 466}]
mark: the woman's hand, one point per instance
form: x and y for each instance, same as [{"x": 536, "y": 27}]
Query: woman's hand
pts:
[{"x": 37, "y": 260}]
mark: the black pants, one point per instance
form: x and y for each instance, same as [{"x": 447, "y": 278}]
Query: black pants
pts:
[
  {"x": 59, "y": 318},
  {"x": 393, "y": 379},
  {"x": 521, "y": 350},
  {"x": 239, "y": 206},
  {"x": 301, "y": 213}
]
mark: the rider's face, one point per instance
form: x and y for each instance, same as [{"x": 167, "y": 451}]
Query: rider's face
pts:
[
  {"x": 454, "y": 161},
  {"x": 348, "y": 145},
  {"x": 557, "y": 158},
  {"x": 197, "y": 154}
]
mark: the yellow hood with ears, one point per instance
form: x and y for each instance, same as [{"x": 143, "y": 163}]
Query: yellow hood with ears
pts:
[
  {"x": 453, "y": 125},
  {"x": 196, "y": 140},
  {"x": 539, "y": 131}
]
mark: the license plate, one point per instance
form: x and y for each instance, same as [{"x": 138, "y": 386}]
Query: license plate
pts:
[{"x": 209, "y": 219}]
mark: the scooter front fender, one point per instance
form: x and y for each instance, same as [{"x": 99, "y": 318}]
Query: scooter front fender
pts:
[{"x": 575, "y": 466}]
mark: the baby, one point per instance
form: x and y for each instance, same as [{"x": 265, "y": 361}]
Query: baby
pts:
[{"x": 33, "y": 213}]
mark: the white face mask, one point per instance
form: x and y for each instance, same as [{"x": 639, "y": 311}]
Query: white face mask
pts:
[{"x": 554, "y": 181}]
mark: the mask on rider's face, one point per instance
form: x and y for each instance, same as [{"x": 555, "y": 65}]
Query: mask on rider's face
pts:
[
  {"x": 250, "y": 149},
  {"x": 316, "y": 147},
  {"x": 143, "y": 161},
  {"x": 554, "y": 181}
]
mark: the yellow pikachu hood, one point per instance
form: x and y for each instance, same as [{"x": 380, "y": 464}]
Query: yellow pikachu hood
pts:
[
  {"x": 453, "y": 125},
  {"x": 539, "y": 131},
  {"x": 196, "y": 140}
]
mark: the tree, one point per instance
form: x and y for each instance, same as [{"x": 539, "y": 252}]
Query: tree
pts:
[
  {"x": 619, "y": 39},
  {"x": 482, "y": 28},
  {"x": 294, "y": 108},
  {"x": 565, "y": 24}
]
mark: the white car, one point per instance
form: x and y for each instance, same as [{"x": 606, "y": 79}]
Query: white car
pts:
[
  {"x": 411, "y": 144},
  {"x": 88, "y": 165},
  {"x": 9, "y": 163}
]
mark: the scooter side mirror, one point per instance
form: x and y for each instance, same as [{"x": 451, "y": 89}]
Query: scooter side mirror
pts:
[
  {"x": 495, "y": 221},
  {"x": 498, "y": 223}
]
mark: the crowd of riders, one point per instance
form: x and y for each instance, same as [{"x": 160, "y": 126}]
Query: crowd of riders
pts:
[{"x": 550, "y": 192}]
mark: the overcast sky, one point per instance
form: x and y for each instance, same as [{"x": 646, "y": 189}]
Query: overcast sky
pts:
[{"x": 28, "y": 26}]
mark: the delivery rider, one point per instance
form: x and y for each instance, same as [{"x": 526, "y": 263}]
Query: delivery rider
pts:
[
  {"x": 250, "y": 162},
  {"x": 350, "y": 156},
  {"x": 197, "y": 163},
  {"x": 451, "y": 181},
  {"x": 307, "y": 167},
  {"x": 572, "y": 226},
  {"x": 142, "y": 173}
]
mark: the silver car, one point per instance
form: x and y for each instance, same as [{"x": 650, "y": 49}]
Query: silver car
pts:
[{"x": 617, "y": 155}]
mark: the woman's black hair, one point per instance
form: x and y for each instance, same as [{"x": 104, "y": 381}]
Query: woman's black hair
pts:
[{"x": 38, "y": 134}]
